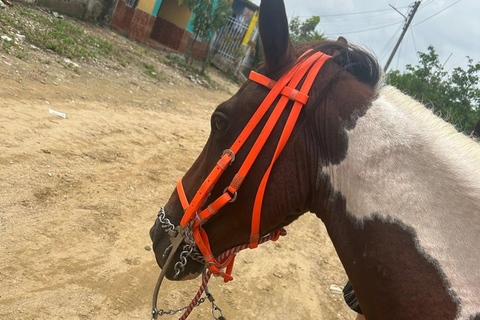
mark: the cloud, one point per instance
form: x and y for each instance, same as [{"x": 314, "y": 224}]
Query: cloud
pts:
[{"x": 454, "y": 30}]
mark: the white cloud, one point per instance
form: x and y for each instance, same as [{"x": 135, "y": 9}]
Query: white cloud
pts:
[{"x": 456, "y": 30}]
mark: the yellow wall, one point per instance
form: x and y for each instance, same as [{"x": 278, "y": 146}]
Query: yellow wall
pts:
[
  {"x": 172, "y": 12},
  {"x": 146, "y": 5}
]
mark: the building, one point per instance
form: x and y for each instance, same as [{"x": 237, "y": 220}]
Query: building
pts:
[{"x": 167, "y": 24}]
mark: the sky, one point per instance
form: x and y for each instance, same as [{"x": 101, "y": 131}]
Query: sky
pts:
[{"x": 451, "y": 26}]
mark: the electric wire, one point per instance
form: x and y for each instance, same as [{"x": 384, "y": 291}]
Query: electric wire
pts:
[
  {"x": 389, "y": 44},
  {"x": 414, "y": 44},
  {"x": 438, "y": 13},
  {"x": 360, "y": 31},
  {"x": 355, "y": 13},
  {"x": 428, "y": 2}
]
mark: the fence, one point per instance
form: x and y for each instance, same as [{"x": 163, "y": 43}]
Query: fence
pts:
[{"x": 226, "y": 46}]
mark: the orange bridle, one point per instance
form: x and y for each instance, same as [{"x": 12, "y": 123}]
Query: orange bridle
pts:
[{"x": 307, "y": 68}]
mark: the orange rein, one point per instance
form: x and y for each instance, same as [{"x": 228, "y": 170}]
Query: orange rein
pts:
[{"x": 307, "y": 68}]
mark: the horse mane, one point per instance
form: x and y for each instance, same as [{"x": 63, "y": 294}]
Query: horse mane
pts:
[
  {"x": 358, "y": 62},
  {"x": 442, "y": 134}
]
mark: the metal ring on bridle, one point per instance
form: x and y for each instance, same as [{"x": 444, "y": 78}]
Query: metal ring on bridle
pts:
[
  {"x": 234, "y": 195},
  {"x": 229, "y": 151}
]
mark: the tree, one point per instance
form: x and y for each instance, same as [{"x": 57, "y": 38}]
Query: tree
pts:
[
  {"x": 455, "y": 96},
  {"x": 301, "y": 32},
  {"x": 208, "y": 17}
]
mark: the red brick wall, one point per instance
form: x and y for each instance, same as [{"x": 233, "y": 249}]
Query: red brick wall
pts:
[
  {"x": 122, "y": 17},
  {"x": 141, "y": 26},
  {"x": 167, "y": 33},
  {"x": 199, "y": 49}
]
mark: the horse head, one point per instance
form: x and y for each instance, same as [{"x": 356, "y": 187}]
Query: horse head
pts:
[{"x": 293, "y": 184}]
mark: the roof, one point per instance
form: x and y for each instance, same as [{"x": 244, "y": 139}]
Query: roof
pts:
[{"x": 250, "y": 4}]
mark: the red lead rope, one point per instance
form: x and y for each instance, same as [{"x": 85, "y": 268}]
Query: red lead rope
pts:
[
  {"x": 222, "y": 257},
  {"x": 286, "y": 87}
]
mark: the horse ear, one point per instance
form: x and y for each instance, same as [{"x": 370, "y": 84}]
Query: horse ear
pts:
[
  {"x": 342, "y": 40},
  {"x": 273, "y": 25}
]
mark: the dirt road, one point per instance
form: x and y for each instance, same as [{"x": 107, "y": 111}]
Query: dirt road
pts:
[{"x": 78, "y": 196}]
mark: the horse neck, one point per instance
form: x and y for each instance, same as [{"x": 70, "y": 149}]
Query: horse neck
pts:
[{"x": 409, "y": 184}]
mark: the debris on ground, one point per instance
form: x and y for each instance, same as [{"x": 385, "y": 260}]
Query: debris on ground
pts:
[{"x": 60, "y": 114}]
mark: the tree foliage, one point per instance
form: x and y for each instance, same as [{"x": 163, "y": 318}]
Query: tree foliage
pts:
[
  {"x": 208, "y": 17},
  {"x": 301, "y": 32},
  {"x": 453, "y": 95}
]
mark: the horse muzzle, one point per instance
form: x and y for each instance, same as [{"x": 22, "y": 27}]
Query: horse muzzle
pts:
[{"x": 185, "y": 263}]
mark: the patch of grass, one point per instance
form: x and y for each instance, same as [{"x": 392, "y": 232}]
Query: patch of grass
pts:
[
  {"x": 63, "y": 36},
  {"x": 7, "y": 46},
  {"x": 21, "y": 54},
  {"x": 176, "y": 60},
  {"x": 150, "y": 69}
]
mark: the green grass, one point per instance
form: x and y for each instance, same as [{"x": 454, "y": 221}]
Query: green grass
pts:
[
  {"x": 150, "y": 69},
  {"x": 62, "y": 36}
]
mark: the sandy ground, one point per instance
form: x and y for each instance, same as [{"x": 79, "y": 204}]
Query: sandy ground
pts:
[{"x": 78, "y": 196}]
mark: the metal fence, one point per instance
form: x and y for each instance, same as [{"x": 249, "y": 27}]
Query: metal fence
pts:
[{"x": 229, "y": 39}]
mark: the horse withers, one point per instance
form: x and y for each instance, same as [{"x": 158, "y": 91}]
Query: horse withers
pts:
[{"x": 397, "y": 188}]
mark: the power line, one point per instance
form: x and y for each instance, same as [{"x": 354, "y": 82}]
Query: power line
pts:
[
  {"x": 428, "y": 2},
  {"x": 369, "y": 21},
  {"x": 352, "y": 13},
  {"x": 414, "y": 44},
  {"x": 342, "y": 33},
  {"x": 437, "y": 13},
  {"x": 389, "y": 44}
]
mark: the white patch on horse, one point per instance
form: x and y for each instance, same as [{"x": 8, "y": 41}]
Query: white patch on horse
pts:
[{"x": 406, "y": 164}]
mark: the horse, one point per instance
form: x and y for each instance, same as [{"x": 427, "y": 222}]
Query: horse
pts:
[{"x": 397, "y": 188}]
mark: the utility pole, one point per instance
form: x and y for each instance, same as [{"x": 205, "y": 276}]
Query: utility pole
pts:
[{"x": 408, "y": 20}]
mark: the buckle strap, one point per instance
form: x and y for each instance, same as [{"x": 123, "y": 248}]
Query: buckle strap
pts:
[
  {"x": 261, "y": 79},
  {"x": 291, "y": 93},
  {"x": 295, "y": 95}
]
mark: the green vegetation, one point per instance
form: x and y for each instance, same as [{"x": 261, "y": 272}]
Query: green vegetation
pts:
[
  {"x": 455, "y": 95},
  {"x": 150, "y": 69},
  {"x": 178, "y": 61},
  {"x": 301, "y": 32},
  {"x": 209, "y": 16},
  {"x": 49, "y": 32}
]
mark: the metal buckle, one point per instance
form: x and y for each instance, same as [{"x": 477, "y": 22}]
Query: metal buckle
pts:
[
  {"x": 234, "y": 196},
  {"x": 229, "y": 151}
]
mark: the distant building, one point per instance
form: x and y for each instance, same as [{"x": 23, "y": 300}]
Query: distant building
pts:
[{"x": 165, "y": 23}]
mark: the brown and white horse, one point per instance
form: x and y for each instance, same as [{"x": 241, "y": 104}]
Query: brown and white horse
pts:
[{"x": 397, "y": 188}]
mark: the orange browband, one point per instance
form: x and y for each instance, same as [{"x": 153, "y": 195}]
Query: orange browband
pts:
[{"x": 309, "y": 66}]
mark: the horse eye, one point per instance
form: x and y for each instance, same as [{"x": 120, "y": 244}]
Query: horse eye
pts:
[{"x": 219, "y": 123}]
